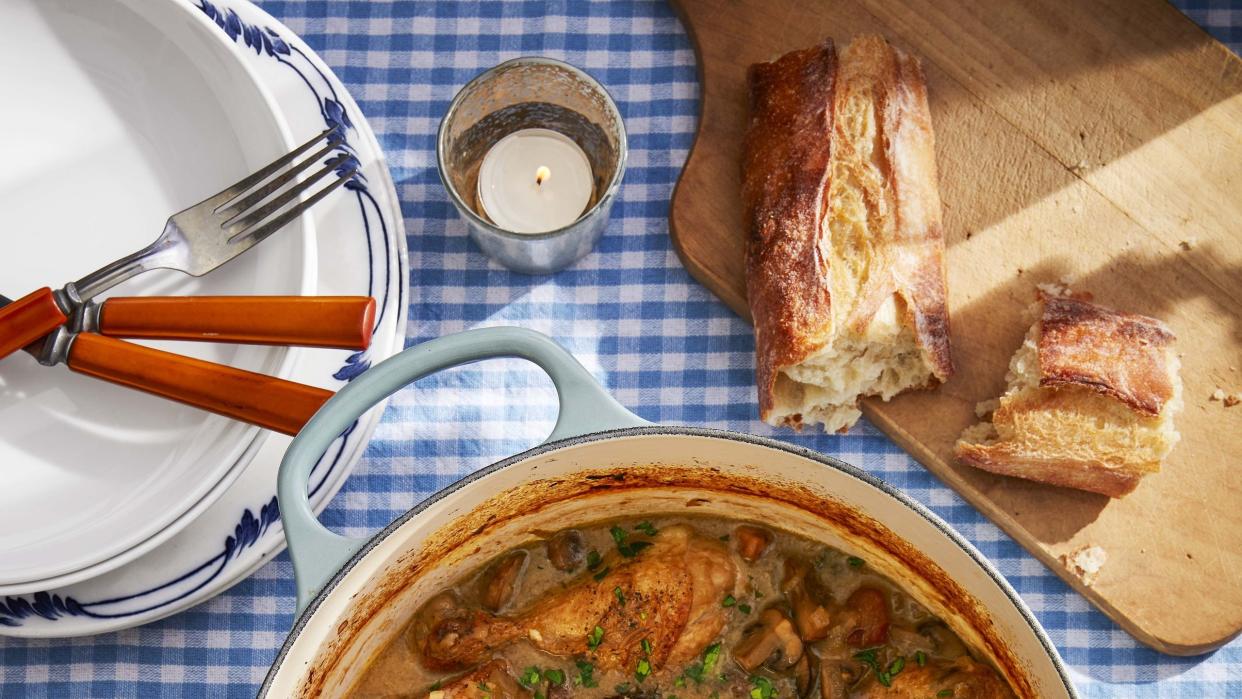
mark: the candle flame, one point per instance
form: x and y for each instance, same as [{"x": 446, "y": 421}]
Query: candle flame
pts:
[{"x": 542, "y": 175}]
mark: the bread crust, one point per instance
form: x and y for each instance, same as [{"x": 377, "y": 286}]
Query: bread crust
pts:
[
  {"x": 1123, "y": 355},
  {"x": 784, "y": 182},
  {"x": 786, "y": 174},
  {"x": 1093, "y": 369},
  {"x": 1093, "y": 476}
]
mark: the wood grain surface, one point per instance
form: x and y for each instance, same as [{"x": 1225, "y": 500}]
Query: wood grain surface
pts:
[{"x": 1099, "y": 143}]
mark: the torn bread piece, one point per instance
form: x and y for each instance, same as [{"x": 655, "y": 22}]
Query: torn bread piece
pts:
[
  {"x": 845, "y": 262},
  {"x": 1090, "y": 404}
]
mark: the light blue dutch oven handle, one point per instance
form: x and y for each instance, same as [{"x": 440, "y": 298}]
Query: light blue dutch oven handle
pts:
[{"x": 317, "y": 552}]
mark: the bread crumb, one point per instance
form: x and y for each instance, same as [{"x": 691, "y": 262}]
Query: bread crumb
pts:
[
  {"x": 1079, "y": 167},
  {"x": 1086, "y": 562},
  {"x": 1218, "y": 394},
  {"x": 1232, "y": 399},
  {"x": 1054, "y": 288},
  {"x": 1188, "y": 243},
  {"x": 985, "y": 407}
]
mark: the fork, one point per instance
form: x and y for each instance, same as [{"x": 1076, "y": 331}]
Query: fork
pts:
[{"x": 196, "y": 240}]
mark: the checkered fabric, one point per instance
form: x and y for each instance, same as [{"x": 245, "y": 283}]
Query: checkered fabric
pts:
[{"x": 660, "y": 342}]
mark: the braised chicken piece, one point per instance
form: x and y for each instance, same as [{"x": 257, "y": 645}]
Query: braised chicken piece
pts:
[
  {"x": 667, "y": 594},
  {"x": 491, "y": 680},
  {"x": 964, "y": 678},
  {"x": 681, "y": 605}
]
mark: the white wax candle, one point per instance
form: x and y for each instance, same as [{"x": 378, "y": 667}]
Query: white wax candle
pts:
[{"x": 535, "y": 181}]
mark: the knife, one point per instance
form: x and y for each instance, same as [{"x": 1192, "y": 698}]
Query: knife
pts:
[{"x": 266, "y": 401}]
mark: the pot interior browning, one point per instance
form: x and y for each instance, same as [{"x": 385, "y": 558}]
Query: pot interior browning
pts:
[{"x": 465, "y": 540}]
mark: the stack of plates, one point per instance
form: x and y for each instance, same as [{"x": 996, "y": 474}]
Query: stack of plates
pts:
[{"x": 118, "y": 507}]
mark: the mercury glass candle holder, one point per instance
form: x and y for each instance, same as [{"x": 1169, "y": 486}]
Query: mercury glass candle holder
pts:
[{"x": 527, "y": 93}]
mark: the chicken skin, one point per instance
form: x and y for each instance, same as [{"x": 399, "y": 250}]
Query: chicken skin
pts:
[
  {"x": 963, "y": 678},
  {"x": 667, "y": 594},
  {"x": 493, "y": 680}
]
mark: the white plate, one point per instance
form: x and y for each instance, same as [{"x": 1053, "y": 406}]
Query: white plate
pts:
[
  {"x": 358, "y": 248},
  {"x": 120, "y": 125}
]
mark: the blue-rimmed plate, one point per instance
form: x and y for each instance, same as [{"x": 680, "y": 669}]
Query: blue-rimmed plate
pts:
[{"x": 353, "y": 243}]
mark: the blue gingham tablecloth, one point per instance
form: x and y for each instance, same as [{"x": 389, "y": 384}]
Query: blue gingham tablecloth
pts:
[{"x": 661, "y": 343}]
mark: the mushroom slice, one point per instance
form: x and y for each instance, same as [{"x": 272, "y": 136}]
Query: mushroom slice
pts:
[
  {"x": 811, "y": 617},
  {"x": 566, "y": 549},
  {"x": 805, "y": 675},
  {"x": 773, "y": 642},
  {"x": 835, "y": 679},
  {"x": 868, "y": 607},
  {"x": 497, "y": 584}
]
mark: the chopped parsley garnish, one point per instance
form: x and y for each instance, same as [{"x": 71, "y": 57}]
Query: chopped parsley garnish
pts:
[
  {"x": 540, "y": 695},
  {"x": 710, "y": 656},
  {"x": 600, "y": 575},
  {"x": 436, "y": 685},
  {"x": 627, "y": 549},
  {"x": 680, "y": 682},
  {"x": 744, "y": 608},
  {"x": 646, "y": 527},
  {"x": 623, "y": 688},
  {"x": 554, "y": 675},
  {"x": 642, "y": 670},
  {"x": 646, "y": 646},
  {"x": 594, "y": 559},
  {"x": 855, "y": 562},
  {"x": 530, "y": 676},
  {"x": 616, "y": 592},
  {"x": 945, "y": 693},
  {"x": 695, "y": 672},
  {"x": 586, "y": 674},
  {"x": 595, "y": 638},
  {"x": 870, "y": 657},
  {"x": 728, "y": 601},
  {"x": 762, "y": 688},
  {"x": 920, "y": 657}
]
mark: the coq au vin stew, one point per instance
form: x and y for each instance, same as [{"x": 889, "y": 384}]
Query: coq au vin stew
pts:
[{"x": 673, "y": 608}]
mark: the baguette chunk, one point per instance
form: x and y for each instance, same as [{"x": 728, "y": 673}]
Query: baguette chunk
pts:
[
  {"x": 845, "y": 261},
  {"x": 1090, "y": 404}
]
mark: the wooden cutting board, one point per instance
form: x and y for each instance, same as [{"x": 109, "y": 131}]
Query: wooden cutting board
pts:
[{"x": 1094, "y": 142}]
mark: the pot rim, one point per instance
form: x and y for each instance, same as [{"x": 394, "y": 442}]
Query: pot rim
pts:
[{"x": 656, "y": 430}]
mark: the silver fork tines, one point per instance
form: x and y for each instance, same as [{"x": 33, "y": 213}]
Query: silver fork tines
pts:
[
  {"x": 223, "y": 226},
  {"x": 247, "y": 217},
  {"x": 254, "y": 235}
]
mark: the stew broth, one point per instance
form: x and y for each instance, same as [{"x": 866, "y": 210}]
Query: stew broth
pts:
[{"x": 676, "y": 607}]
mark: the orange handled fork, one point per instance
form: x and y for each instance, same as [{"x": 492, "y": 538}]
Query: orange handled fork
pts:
[
  {"x": 199, "y": 239},
  {"x": 343, "y": 322}
]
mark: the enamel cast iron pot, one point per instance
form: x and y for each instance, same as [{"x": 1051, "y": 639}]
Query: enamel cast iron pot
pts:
[{"x": 355, "y": 596}]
